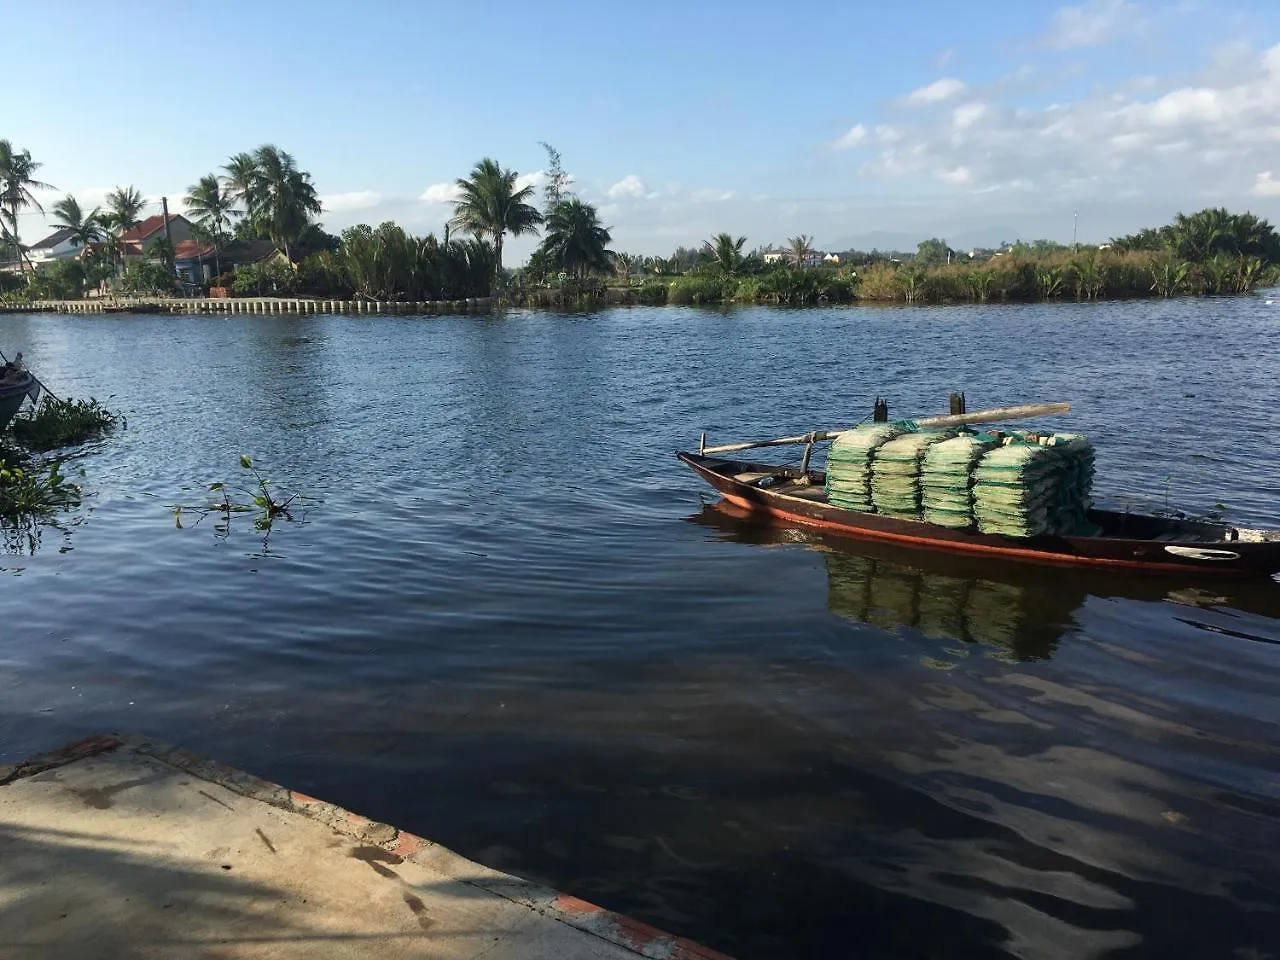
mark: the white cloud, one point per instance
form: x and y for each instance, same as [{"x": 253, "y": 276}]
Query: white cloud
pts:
[
  {"x": 441, "y": 193},
  {"x": 936, "y": 92},
  {"x": 535, "y": 179},
  {"x": 967, "y": 114},
  {"x": 1190, "y": 106},
  {"x": 1181, "y": 140},
  {"x": 628, "y": 186},
  {"x": 1265, "y": 186},
  {"x": 356, "y": 200},
  {"x": 710, "y": 195},
  {"x": 854, "y": 136},
  {"x": 90, "y": 197},
  {"x": 1093, "y": 23}
]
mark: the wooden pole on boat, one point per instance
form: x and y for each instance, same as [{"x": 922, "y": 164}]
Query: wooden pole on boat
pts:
[
  {"x": 1026, "y": 411},
  {"x": 803, "y": 476},
  {"x": 780, "y": 442}
]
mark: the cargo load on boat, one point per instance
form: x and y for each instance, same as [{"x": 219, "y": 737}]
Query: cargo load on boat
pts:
[
  {"x": 895, "y": 472},
  {"x": 1010, "y": 483},
  {"x": 1034, "y": 484},
  {"x": 849, "y": 464},
  {"x": 946, "y": 479}
]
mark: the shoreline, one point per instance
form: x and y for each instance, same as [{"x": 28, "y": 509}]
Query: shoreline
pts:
[{"x": 613, "y": 297}]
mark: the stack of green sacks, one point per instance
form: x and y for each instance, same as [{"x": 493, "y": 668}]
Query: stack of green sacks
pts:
[
  {"x": 1015, "y": 490},
  {"x": 849, "y": 464},
  {"x": 895, "y": 473},
  {"x": 1075, "y": 484},
  {"x": 946, "y": 479}
]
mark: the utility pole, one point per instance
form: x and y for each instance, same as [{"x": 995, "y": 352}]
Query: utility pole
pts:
[
  {"x": 1075, "y": 232},
  {"x": 168, "y": 235}
]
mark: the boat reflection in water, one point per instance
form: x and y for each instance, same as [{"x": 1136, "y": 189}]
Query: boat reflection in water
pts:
[
  {"x": 1016, "y": 611},
  {"x": 1019, "y": 620},
  {"x": 1061, "y": 763}
]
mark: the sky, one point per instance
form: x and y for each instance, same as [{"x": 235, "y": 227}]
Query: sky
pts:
[{"x": 858, "y": 124}]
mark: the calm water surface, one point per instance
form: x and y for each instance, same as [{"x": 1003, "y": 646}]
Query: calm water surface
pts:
[{"x": 514, "y": 623}]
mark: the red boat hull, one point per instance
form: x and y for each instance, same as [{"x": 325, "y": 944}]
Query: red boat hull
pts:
[{"x": 1130, "y": 541}]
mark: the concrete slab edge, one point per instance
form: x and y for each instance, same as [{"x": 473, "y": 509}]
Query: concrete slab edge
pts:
[
  {"x": 81, "y": 749},
  {"x": 615, "y": 928}
]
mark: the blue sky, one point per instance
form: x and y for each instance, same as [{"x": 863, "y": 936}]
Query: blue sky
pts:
[{"x": 848, "y": 122}]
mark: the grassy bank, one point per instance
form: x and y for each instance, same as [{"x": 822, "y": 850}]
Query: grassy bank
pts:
[{"x": 1096, "y": 275}]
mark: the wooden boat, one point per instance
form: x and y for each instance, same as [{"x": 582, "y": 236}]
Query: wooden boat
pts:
[
  {"x": 1128, "y": 541},
  {"x": 16, "y": 384},
  {"x": 132, "y": 308}
]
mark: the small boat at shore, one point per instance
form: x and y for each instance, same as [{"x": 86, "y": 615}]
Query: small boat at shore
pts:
[
  {"x": 1127, "y": 541},
  {"x": 1117, "y": 541},
  {"x": 16, "y": 384}
]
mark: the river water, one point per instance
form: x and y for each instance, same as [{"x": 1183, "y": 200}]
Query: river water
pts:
[{"x": 507, "y": 618}]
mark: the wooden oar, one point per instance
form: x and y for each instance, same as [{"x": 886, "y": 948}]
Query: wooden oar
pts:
[{"x": 1026, "y": 411}]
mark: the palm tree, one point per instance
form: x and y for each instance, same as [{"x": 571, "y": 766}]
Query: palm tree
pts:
[
  {"x": 281, "y": 199},
  {"x": 491, "y": 206},
  {"x": 124, "y": 208},
  {"x": 801, "y": 248},
  {"x": 85, "y": 228},
  {"x": 240, "y": 170},
  {"x": 727, "y": 252},
  {"x": 576, "y": 242},
  {"x": 625, "y": 264},
  {"x": 212, "y": 207},
  {"x": 16, "y": 186}
]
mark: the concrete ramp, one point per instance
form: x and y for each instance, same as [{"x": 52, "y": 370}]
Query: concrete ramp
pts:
[{"x": 122, "y": 847}]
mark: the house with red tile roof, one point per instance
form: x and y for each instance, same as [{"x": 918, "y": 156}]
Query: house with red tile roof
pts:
[{"x": 135, "y": 240}]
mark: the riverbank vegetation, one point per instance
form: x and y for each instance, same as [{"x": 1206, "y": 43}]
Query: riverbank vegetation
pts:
[
  {"x": 33, "y": 489},
  {"x": 62, "y": 423},
  {"x": 263, "y": 197}
]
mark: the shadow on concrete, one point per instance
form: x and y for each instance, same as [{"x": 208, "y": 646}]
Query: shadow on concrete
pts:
[{"x": 66, "y": 894}]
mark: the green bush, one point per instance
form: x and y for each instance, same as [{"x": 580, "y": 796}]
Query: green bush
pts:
[
  {"x": 838, "y": 289},
  {"x": 748, "y": 290},
  {"x": 60, "y": 280},
  {"x": 321, "y": 275},
  {"x": 271, "y": 277},
  {"x": 701, "y": 289},
  {"x": 143, "y": 276},
  {"x": 652, "y": 292}
]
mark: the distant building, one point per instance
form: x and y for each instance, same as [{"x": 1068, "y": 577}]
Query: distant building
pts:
[
  {"x": 133, "y": 242},
  {"x": 193, "y": 261},
  {"x": 62, "y": 244},
  {"x": 813, "y": 259}
]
